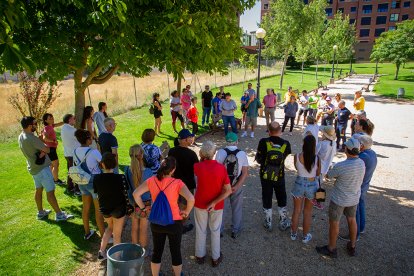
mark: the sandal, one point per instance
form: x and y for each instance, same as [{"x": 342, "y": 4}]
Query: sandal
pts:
[
  {"x": 324, "y": 250},
  {"x": 200, "y": 260},
  {"x": 215, "y": 263}
]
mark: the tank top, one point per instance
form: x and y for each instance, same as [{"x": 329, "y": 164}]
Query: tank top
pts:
[{"x": 302, "y": 171}]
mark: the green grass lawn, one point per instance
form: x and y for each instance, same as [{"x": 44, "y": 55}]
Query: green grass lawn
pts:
[{"x": 31, "y": 247}]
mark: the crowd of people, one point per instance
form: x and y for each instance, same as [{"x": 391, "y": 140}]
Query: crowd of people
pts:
[{"x": 159, "y": 193}]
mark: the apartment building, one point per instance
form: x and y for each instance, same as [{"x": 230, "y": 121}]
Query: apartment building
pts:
[{"x": 371, "y": 18}]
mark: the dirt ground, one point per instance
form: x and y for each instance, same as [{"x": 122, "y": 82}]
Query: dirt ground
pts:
[{"x": 386, "y": 248}]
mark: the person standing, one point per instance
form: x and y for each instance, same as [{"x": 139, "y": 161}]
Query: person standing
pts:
[
  {"x": 108, "y": 141},
  {"x": 270, "y": 102},
  {"x": 70, "y": 143},
  {"x": 251, "y": 91},
  {"x": 209, "y": 203},
  {"x": 252, "y": 113},
  {"x": 227, "y": 108},
  {"x": 271, "y": 155},
  {"x": 206, "y": 98},
  {"x": 328, "y": 112},
  {"x": 304, "y": 106},
  {"x": 172, "y": 188},
  {"x": 193, "y": 116},
  {"x": 100, "y": 116},
  {"x": 38, "y": 165},
  {"x": 176, "y": 111},
  {"x": 290, "y": 110},
  {"x": 342, "y": 118},
  {"x": 313, "y": 103},
  {"x": 237, "y": 166},
  {"x": 216, "y": 104},
  {"x": 152, "y": 153},
  {"x": 185, "y": 103},
  {"x": 311, "y": 128},
  {"x": 289, "y": 94},
  {"x": 321, "y": 105},
  {"x": 243, "y": 101},
  {"x": 359, "y": 104},
  {"x": 345, "y": 196},
  {"x": 157, "y": 112},
  {"x": 88, "y": 124}
]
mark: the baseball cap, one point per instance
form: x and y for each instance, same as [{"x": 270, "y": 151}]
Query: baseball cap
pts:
[
  {"x": 352, "y": 144},
  {"x": 184, "y": 133},
  {"x": 231, "y": 137},
  {"x": 328, "y": 98}
]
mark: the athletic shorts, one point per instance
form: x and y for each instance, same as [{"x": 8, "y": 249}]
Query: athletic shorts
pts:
[
  {"x": 117, "y": 213},
  {"x": 44, "y": 179},
  {"x": 336, "y": 211},
  {"x": 175, "y": 115},
  {"x": 251, "y": 121},
  {"x": 303, "y": 111},
  {"x": 52, "y": 154}
]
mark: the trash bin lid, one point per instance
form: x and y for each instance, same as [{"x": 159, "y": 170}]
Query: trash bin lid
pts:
[{"x": 125, "y": 252}]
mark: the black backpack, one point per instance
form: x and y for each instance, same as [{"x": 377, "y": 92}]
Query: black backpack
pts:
[{"x": 232, "y": 165}]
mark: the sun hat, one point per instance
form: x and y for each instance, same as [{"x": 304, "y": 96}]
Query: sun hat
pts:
[
  {"x": 184, "y": 133},
  {"x": 328, "y": 132},
  {"x": 353, "y": 145},
  {"x": 231, "y": 137}
]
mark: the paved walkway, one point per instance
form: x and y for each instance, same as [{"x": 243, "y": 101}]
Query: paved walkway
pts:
[{"x": 387, "y": 246}]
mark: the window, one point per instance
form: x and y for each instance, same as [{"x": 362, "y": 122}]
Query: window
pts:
[
  {"x": 394, "y": 17},
  {"x": 395, "y": 4},
  {"x": 265, "y": 6},
  {"x": 328, "y": 11},
  {"x": 353, "y": 9},
  {"x": 404, "y": 17},
  {"x": 363, "y": 32},
  {"x": 366, "y": 9},
  {"x": 381, "y": 20},
  {"x": 383, "y": 7},
  {"x": 341, "y": 10},
  {"x": 378, "y": 32},
  {"x": 392, "y": 28},
  {"x": 329, "y": 1},
  {"x": 407, "y": 4},
  {"x": 366, "y": 21},
  {"x": 352, "y": 21}
]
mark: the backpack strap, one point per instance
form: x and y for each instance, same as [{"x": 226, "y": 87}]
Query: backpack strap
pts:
[
  {"x": 84, "y": 158},
  {"x": 165, "y": 187},
  {"x": 235, "y": 152}
]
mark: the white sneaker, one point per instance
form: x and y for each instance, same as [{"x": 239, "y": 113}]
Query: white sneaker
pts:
[
  {"x": 62, "y": 216},
  {"x": 307, "y": 238},
  {"x": 244, "y": 134},
  {"x": 293, "y": 236},
  {"x": 252, "y": 135}
]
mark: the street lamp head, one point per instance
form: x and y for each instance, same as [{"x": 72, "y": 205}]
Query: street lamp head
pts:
[
  {"x": 335, "y": 47},
  {"x": 260, "y": 33}
]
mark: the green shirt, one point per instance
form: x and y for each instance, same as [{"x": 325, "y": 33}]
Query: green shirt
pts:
[
  {"x": 30, "y": 145},
  {"x": 253, "y": 108},
  {"x": 312, "y": 99}
]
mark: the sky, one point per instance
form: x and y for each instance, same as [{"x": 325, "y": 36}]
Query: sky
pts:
[{"x": 250, "y": 18}]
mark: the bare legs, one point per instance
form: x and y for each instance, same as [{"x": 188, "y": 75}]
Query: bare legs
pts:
[
  {"x": 54, "y": 167},
  {"x": 157, "y": 127},
  {"x": 307, "y": 214}
]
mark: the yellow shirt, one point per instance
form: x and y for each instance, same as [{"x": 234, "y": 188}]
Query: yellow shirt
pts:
[
  {"x": 359, "y": 103},
  {"x": 288, "y": 95}
]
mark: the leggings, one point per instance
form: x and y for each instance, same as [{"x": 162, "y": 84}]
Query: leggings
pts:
[
  {"x": 292, "y": 123},
  {"x": 195, "y": 127},
  {"x": 267, "y": 192},
  {"x": 159, "y": 234}
]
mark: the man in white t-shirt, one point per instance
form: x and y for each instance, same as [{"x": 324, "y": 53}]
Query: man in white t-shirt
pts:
[
  {"x": 70, "y": 143},
  {"x": 237, "y": 179}
]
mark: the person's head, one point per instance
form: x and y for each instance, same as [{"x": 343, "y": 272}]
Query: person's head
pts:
[
  {"x": 249, "y": 85},
  {"x": 275, "y": 129},
  {"x": 167, "y": 168},
  {"x": 102, "y": 106},
  {"x": 308, "y": 149},
  {"x": 338, "y": 97},
  {"x": 29, "y": 123},
  {"x": 218, "y": 94},
  {"x": 362, "y": 125},
  {"x": 361, "y": 114},
  {"x": 87, "y": 114},
  {"x": 304, "y": 92},
  {"x": 194, "y": 101},
  {"x": 185, "y": 138},
  {"x": 228, "y": 96},
  {"x": 221, "y": 88},
  {"x": 188, "y": 87},
  {"x": 352, "y": 147},
  {"x": 324, "y": 95},
  {"x": 269, "y": 91},
  {"x": 292, "y": 99},
  {"x": 136, "y": 153},
  {"x": 289, "y": 88},
  {"x": 69, "y": 119},
  {"x": 110, "y": 124},
  {"x": 207, "y": 88},
  {"x": 108, "y": 161},
  {"x": 184, "y": 90},
  {"x": 83, "y": 137},
  {"x": 310, "y": 120},
  {"x": 48, "y": 119},
  {"x": 174, "y": 93},
  {"x": 148, "y": 136},
  {"x": 365, "y": 141},
  {"x": 155, "y": 96},
  {"x": 232, "y": 138},
  {"x": 341, "y": 104},
  {"x": 328, "y": 100},
  {"x": 358, "y": 94},
  {"x": 207, "y": 150}
]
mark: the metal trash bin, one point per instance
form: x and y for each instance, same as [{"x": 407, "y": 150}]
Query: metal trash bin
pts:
[
  {"x": 401, "y": 93},
  {"x": 125, "y": 259}
]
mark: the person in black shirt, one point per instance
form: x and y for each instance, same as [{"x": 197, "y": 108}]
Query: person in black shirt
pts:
[
  {"x": 186, "y": 158},
  {"x": 271, "y": 154},
  {"x": 342, "y": 118},
  {"x": 112, "y": 201},
  {"x": 108, "y": 142},
  {"x": 157, "y": 112},
  {"x": 206, "y": 98}
]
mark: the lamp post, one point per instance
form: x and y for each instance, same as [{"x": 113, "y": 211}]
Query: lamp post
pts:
[
  {"x": 352, "y": 57},
  {"x": 260, "y": 34},
  {"x": 335, "y": 47}
]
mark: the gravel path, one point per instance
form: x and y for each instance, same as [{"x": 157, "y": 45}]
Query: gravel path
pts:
[{"x": 386, "y": 248}]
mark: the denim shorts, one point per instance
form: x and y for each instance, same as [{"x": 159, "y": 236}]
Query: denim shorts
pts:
[
  {"x": 305, "y": 188},
  {"x": 87, "y": 189},
  {"x": 44, "y": 179}
]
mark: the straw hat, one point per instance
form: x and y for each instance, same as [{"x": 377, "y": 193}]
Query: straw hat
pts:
[{"x": 328, "y": 132}]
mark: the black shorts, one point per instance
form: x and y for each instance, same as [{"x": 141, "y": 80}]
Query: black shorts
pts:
[
  {"x": 117, "y": 213},
  {"x": 52, "y": 154},
  {"x": 303, "y": 111}
]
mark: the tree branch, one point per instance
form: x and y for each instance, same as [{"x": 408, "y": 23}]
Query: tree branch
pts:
[
  {"x": 92, "y": 75},
  {"x": 105, "y": 76}
]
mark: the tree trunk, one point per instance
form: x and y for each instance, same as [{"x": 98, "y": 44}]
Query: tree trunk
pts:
[
  {"x": 179, "y": 84},
  {"x": 396, "y": 72},
  {"x": 316, "y": 70},
  {"x": 302, "y": 71},
  {"x": 283, "y": 70},
  {"x": 79, "y": 98}
]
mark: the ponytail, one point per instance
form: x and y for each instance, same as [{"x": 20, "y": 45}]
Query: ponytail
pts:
[
  {"x": 137, "y": 163},
  {"x": 167, "y": 166}
]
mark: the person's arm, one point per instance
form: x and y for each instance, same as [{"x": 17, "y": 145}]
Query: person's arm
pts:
[
  {"x": 330, "y": 110},
  {"x": 333, "y": 172},
  {"x": 89, "y": 123},
  {"x": 58, "y": 124},
  {"x": 41, "y": 147},
  {"x": 261, "y": 151},
  {"x": 142, "y": 189},
  {"x": 225, "y": 192},
  {"x": 318, "y": 170},
  {"x": 216, "y": 107},
  {"x": 185, "y": 192},
  {"x": 242, "y": 178},
  {"x": 157, "y": 105}
]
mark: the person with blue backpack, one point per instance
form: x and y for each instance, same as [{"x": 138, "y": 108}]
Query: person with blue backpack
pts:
[
  {"x": 166, "y": 216},
  {"x": 152, "y": 153}
]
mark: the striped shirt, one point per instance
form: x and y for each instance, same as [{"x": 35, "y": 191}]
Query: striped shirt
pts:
[{"x": 349, "y": 175}]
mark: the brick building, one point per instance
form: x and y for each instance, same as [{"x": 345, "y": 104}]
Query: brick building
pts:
[{"x": 371, "y": 18}]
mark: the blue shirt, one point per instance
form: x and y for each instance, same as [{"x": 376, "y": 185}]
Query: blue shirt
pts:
[
  {"x": 343, "y": 116},
  {"x": 216, "y": 100},
  {"x": 370, "y": 159},
  {"x": 147, "y": 173}
]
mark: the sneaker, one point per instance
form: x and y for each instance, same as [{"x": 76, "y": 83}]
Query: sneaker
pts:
[
  {"x": 362, "y": 231},
  {"x": 317, "y": 204},
  {"x": 252, "y": 135},
  {"x": 244, "y": 134},
  {"x": 43, "y": 214},
  {"x": 324, "y": 250},
  {"x": 59, "y": 182},
  {"x": 77, "y": 193},
  {"x": 102, "y": 255},
  {"x": 188, "y": 228},
  {"x": 267, "y": 224},
  {"x": 307, "y": 238},
  {"x": 284, "y": 224},
  {"x": 89, "y": 235},
  {"x": 293, "y": 236},
  {"x": 346, "y": 238},
  {"x": 351, "y": 250},
  {"x": 62, "y": 216}
]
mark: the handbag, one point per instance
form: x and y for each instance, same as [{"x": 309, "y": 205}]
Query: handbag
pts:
[{"x": 320, "y": 194}]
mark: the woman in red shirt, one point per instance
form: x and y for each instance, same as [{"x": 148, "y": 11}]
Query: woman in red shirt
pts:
[
  {"x": 172, "y": 188},
  {"x": 49, "y": 138}
]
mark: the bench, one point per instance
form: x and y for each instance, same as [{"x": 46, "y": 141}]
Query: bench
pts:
[{"x": 320, "y": 85}]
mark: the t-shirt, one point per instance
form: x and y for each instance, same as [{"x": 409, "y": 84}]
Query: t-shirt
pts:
[
  {"x": 262, "y": 149},
  {"x": 359, "y": 103},
  {"x": 209, "y": 188},
  {"x": 92, "y": 160},
  {"x": 253, "y": 108},
  {"x": 50, "y": 132},
  {"x": 207, "y": 96},
  {"x": 304, "y": 102},
  {"x": 192, "y": 114},
  {"x": 99, "y": 118},
  {"x": 241, "y": 158},
  {"x": 186, "y": 101},
  {"x": 107, "y": 141},
  {"x": 186, "y": 158},
  {"x": 69, "y": 141},
  {"x": 172, "y": 192},
  {"x": 218, "y": 101},
  {"x": 175, "y": 100},
  {"x": 270, "y": 100},
  {"x": 288, "y": 95},
  {"x": 251, "y": 92},
  {"x": 329, "y": 107},
  {"x": 30, "y": 145},
  {"x": 326, "y": 151},
  {"x": 349, "y": 175},
  {"x": 147, "y": 173},
  {"x": 152, "y": 156},
  {"x": 314, "y": 99},
  {"x": 370, "y": 159},
  {"x": 110, "y": 190},
  {"x": 228, "y": 107},
  {"x": 343, "y": 116}
]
